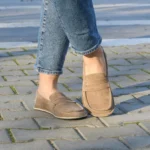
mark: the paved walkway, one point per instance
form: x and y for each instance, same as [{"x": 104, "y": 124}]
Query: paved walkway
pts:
[{"x": 128, "y": 128}]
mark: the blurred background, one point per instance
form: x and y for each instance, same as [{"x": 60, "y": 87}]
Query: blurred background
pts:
[{"x": 118, "y": 21}]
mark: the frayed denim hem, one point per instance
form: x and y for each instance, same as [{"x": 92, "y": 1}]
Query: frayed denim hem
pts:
[
  {"x": 41, "y": 70},
  {"x": 94, "y": 48}
]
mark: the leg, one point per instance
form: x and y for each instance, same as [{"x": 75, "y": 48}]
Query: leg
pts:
[
  {"x": 52, "y": 48},
  {"x": 79, "y": 23}
]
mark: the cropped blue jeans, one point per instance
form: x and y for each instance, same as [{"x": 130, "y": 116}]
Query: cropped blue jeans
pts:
[{"x": 63, "y": 22}]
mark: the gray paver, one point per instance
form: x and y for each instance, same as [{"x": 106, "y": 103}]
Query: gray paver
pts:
[
  {"x": 57, "y": 123},
  {"x": 10, "y": 68},
  {"x": 125, "y": 98},
  {"x": 70, "y": 80},
  {"x": 26, "y": 135},
  {"x": 145, "y": 125},
  {"x": 34, "y": 145},
  {"x": 22, "y": 90},
  {"x": 101, "y": 144},
  {"x": 12, "y": 73},
  {"x": 11, "y": 106},
  {"x": 126, "y": 118},
  {"x": 8, "y": 63},
  {"x": 129, "y": 121},
  {"x": 120, "y": 62},
  {"x": 4, "y": 138},
  {"x": 26, "y": 61},
  {"x": 138, "y": 142},
  {"x": 6, "y": 91},
  {"x": 139, "y": 77},
  {"x": 18, "y": 124},
  {"x": 21, "y": 83},
  {"x": 24, "y": 114},
  {"x": 125, "y": 91},
  {"x": 144, "y": 98},
  {"x": 119, "y": 78},
  {"x": 20, "y": 78},
  {"x": 97, "y": 133},
  {"x": 75, "y": 86}
]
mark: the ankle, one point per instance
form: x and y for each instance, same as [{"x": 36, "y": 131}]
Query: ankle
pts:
[
  {"x": 93, "y": 57},
  {"x": 45, "y": 92}
]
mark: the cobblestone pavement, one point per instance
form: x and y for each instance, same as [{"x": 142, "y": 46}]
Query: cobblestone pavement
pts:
[{"x": 128, "y": 128}]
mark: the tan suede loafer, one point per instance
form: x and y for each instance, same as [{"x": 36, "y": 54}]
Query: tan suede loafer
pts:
[
  {"x": 59, "y": 106},
  {"x": 96, "y": 93}
]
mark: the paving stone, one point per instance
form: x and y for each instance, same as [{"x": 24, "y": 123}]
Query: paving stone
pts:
[
  {"x": 113, "y": 86},
  {"x": 18, "y": 124},
  {"x": 24, "y": 114},
  {"x": 119, "y": 62},
  {"x": 120, "y": 131},
  {"x": 34, "y": 145},
  {"x": 22, "y": 52},
  {"x": 26, "y": 135},
  {"x": 117, "y": 111},
  {"x": 101, "y": 144},
  {"x": 141, "y": 77},
  {"x": 71, "y": 75},
  {"x": 131, "y": 72},
  {"x": 138, "y": 142},
  {"x": 145, "y": 125},
  {"x": 12, "y": 73},
  {"x": 4, "y": 138},
  {"x": 6, "y": 91},
  {"x": 129, "y": 84},
  {"x": 144, "y": 98},
  {"x": 62, "y": 88},
  {"x": 15, "y": 98},
  {"x": 125, "y": 91},
  {"x": 20, "y": 78},
  {"x": 66, "y": 71},
  {"x": 10, "y": 68},
  {"x": 125, "y": 98},
  {"x": 26, "y": 89},
  {"x": 8, "y": 63},
  {"x": 127, "y": 49},
  {"x": 3, "y": 54},
  {"x": 31, "y": 72},
  {"x": 132, "y": 67},
  {"x": 70, "y": 80},
  {"x": 77, "y": 94},
  {"x": 126, "y": 118},
  {"x": 1, "y": 79},
  {"x": 74, "y": 86},
  {"x": 57, "y": 123},
  {"x": 129, "y": 104},
  {"x": 139, "y": 61},
  {"x": 26, "y": 61},
  {"x": 77, "y": 70},
  {"x": 133, "y": 108},
  {"x": 147, "y": 92},
  {"x": 21, "y": 83},
  {"x": 11, "y": 106},
  {"x": 119, "y": 78},
  {"x": 73, "y": 64}
]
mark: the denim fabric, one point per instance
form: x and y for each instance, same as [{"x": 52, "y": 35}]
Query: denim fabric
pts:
[{"x": 63, "y": 22}]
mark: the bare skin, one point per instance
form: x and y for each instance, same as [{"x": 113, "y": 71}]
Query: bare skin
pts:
[{"x": 93, "y": 63}]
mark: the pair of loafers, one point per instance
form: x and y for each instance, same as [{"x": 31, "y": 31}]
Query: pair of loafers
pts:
[{"x": 97, "y": 98}]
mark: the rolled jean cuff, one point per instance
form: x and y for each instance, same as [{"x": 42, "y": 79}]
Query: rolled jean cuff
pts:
[
  {"x": 88, "y": 51},
  {"x": 41, "y": 70}
]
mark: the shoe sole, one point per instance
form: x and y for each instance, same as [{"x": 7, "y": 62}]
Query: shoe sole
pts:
[
  {"x": 57, "y": 116},
  {"x": 102, "y": 114}
]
